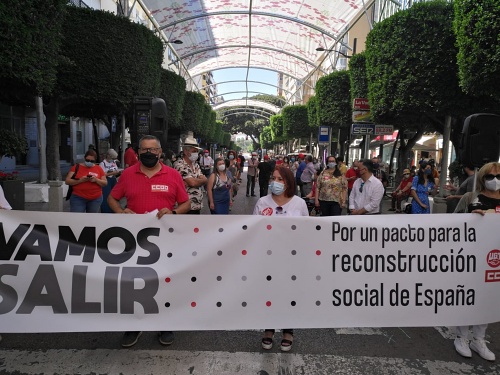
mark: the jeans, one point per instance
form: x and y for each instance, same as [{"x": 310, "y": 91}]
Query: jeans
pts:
[
  {"x": 251, "y": 184},
  {"x": 79, "y": 204}
]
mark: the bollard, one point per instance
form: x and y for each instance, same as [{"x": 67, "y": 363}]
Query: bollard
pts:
[{"x": 56, "y": 196}]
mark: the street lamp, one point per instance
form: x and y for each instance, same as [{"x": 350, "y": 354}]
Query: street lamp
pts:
[
  {"x": 177, "y": 41},
  {"x": 321, "y": 49}
]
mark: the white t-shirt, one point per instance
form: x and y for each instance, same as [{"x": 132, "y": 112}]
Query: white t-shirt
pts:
[
  {"x": 266, "y": 206},
  {"x": 108, "y": 166},
  {"x": 3, "y": 202}
]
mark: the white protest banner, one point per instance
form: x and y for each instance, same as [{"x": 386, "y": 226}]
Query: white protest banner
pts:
[{"x": 63, "y": 272}]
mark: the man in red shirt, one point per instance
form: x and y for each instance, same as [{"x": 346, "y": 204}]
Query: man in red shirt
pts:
[
  {"x": 351, "y": 175},
  {"x": 149, "y": 186},
  {"x": 130, "y": 157}
]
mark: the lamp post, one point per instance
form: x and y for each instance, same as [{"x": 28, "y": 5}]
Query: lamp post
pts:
[
  {"x": 321, "y": 49},
  {"x": 176, "y": 41}
]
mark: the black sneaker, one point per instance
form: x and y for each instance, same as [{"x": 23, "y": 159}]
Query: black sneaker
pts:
[
  {"x": 166, "y": 337},
  {"x": 130, "y": 338},
  {"x": 248, "y": 195}
]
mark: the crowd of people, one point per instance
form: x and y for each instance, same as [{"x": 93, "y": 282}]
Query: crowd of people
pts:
[{"x": 180, "y": 184}]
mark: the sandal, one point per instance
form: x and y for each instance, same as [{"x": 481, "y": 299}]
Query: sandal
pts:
[
  {"x": 286, "y": 345},
  {"x": 267, "y": 342}
]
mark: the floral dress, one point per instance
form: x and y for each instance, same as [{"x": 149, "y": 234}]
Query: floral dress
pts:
[{"x": 423, "y": 194}]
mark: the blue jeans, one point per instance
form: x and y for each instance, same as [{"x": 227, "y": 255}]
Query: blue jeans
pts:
[{"x": 79, "y": 204}]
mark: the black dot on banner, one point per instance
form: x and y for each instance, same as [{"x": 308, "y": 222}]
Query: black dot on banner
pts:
[
  {"x": 219, "y": 253},
  {"x": 294, "y": 277},
  {"x": 294, "y": 252},
  {"x": 244, "y": 227},
  {"x": 269, "y": 252},
  {"x": 193, "y": 279},
  {"x": 219, "y": 304},
  {"x": 269, "y": 278},
  {"x": 195, "y": 253},
  {"x": 318, "y": 227},
  {"x": 294, "y": 227},
  {"x": 167, "y": 304},
  {"x": 244, "y": 278},
  {"x": 171, "y": 230},
  {"x": 221, "y": 230},
  {"x": 318, "y": 303},
  {"x": 244, "y": 304},
  {"x": 318, "y": 277},
  {"x": 219, "y": 278},
  {"x": 293, "y": 303},
  {"x": 169, "y": 255}
]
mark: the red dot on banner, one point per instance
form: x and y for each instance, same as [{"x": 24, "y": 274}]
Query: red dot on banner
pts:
[
  {"x": 244, "y": 252},
  {"x": 269, "y": 227},
  {"x": 318, "y": 252},
  {"x": 196, "y": 230},
  {"x": 193, "y": 304},
  {"x": 268, "y": 303},
  {"x": 167, "y": 280}
]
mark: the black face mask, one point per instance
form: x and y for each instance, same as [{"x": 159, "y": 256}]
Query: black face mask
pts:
[{"x": 148, "y": 159}]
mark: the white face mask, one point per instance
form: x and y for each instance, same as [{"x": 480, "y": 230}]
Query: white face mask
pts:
[
  {"x": 193, "y": 157},
  {"x": 492, "y": 185},
  {"x": 221, "y": 168}
]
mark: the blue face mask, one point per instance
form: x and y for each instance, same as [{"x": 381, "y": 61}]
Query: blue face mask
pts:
[
  {"x": 331, "y": 165},
  {"x": 277, "y": 188},
  {"x": 89, "y": 164},
  {"x": 427, "y": 171},
  {"x": 231, "y": 157},
  {"x": 292, "y": 159}
]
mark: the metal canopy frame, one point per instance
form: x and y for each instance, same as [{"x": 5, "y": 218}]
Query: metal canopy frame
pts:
[{"x": 278, "y": 35}]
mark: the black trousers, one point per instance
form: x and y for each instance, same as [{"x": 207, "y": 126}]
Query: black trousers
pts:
[{"x": 251, "y": 184}]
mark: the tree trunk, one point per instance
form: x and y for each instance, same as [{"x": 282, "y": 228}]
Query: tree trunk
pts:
[
  {"x": 406, "y": 147},
  {"x": 52, "y": 129}
]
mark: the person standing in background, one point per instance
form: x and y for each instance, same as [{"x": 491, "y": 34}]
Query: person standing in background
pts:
[
  {"x": 87, "y": 184},
  {"x": 191, "y": 173},
  {"x": 130, "y": 157},
  {"x": 367, "y": 191},
  {"x": 109, "y": 167},
  {"x": 265, "y": 171},
  {"x": 206, "y": 163},
  {"x": 251, "y": 174},
  {"x": 308, "y": 175}
]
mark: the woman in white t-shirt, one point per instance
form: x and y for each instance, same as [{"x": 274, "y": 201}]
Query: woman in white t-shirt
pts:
[
  {"x": 281, "y": 202},
  {"x": 112, "y": 171}
]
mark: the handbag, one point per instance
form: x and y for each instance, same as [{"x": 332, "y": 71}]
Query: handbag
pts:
[{"x": 70, "y": 188}]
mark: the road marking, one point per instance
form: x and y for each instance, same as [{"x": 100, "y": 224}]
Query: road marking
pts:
[{"x": 131, "y": 362}]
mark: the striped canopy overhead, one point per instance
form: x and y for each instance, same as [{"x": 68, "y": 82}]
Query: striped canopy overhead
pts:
[{"x": 278, "y": 35}]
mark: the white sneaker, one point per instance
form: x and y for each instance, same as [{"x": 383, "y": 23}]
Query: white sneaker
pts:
[
  {"x": 479, "y": 346},
  {"x": 462, "y": 347}
]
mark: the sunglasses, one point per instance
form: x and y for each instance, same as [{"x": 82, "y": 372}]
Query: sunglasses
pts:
[
  {"x": 361, "y": 187},
  {"x": 489, "y": 177},
  {"x": 89, "y": 161},
  {"x": 279, "y": 210}
]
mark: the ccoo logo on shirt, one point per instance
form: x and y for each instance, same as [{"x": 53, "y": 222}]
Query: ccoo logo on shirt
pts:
[{"x": 159, "y": 188}]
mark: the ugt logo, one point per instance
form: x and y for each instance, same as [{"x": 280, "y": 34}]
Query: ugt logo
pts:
[{"x": 493, "y": 260}]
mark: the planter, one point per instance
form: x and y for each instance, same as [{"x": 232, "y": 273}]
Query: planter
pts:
[{"x": 14, "y": 193}]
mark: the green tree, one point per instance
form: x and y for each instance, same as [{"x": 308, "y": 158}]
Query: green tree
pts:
[
  {"x": 30, "y": 38},
  {"x": 266, "y": 137},
  {"x": 412, "y": 72},
  {"x": 107, "y": 60},
  {"x": 312, "y": 112},
  {"x": 358, "y": 77},
  {"x": 295, "y": 121},
  {"x": 276, "y": 123},
  {"x": 477, "y": 28},
  {"x": 173, "y": 91},
  {"x": 334, "y": 103},
  {"x": 193, "y": 111}
]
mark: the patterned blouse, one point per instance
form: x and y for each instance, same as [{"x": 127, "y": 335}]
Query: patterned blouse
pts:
[
  {"x": 332, "y": 188},
  {"x": 195, "y": 193}
]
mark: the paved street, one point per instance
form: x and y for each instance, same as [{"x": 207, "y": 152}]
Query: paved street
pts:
[{"x": 427, "y": 350}]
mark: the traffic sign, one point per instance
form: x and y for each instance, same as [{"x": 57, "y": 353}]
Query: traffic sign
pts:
[{"x": 324, "y": 134}]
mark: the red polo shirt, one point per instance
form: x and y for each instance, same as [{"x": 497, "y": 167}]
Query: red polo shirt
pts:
[{"x": 144, "y": 194}]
